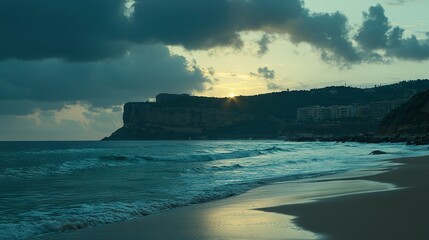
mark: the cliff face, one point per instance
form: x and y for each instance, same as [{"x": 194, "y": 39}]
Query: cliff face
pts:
[
  {"x": 410, "y": 118},
  {"x": 160, "y": 121},
  {"x": 143, "y": 114}
]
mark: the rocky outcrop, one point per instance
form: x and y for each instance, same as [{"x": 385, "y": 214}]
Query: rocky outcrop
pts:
[
  {"x": 152, "y": 114},
  {"x": 377, "y": 152},
  {"x": 411, "y": 118},
  {"x": 166, "y": 121}
]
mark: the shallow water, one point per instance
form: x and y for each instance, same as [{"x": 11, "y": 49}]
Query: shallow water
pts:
[{"x": 50, "y": 187}]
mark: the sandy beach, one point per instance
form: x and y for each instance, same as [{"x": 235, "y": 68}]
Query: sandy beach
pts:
[
  {"x": 385, "y": 203},
  {"x": 398, "y": 214}
]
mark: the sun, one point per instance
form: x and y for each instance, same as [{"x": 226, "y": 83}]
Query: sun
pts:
[{"x": 231, "y": 95}]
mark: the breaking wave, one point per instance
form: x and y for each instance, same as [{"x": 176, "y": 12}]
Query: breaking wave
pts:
[
  {"x": 118, "y": 160},
  {"x": 88, "y": 215},
  {"x": 215, "y": 156}
]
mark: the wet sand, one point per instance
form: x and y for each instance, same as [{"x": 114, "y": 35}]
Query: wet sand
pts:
[
  {"x": 355, "y": 205},
  {"x": 399, "y": 214}
]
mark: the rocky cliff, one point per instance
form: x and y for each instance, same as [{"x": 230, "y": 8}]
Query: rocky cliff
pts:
[
  {"x": 174, "y": 120},
  {"x": 151, "y": 114},
  {"x": 411, "y": 118}
]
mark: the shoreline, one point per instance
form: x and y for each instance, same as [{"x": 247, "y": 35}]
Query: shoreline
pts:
[
  {"x": 255, "y": 214},
  {"x": 398, "y": 214}
]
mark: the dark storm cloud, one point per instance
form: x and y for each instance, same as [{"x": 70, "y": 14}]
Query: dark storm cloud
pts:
[
  {"x": 409, "y": 48},
  {"x": 144, "y": 72},
  {"x": 197, "y": 24},
  {"x": 373, "y": 33},
  {"x": 70, "y": 29},
  {"x": 90, "y": 30},
  {"x": 204, "y": 24},
  {"x": 25, "y": 106},
  {"x": 329, "y": 33},
  {"x": 376, "y": 33},
  {"x": 86, "y": 30}
]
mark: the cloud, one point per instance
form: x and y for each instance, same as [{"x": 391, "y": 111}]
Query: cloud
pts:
[
  {"x": 273, "y": 86},
  {"x": 89, "y": 30},
  {"x": 269, "y": 76},
  {"x": 69, "y": 29},
  {"x": 97, "y": 30},
  {"x": 329, "y": 33},
  {"x": 399, "y": 2},
  {"x": 263, "y": 43},
  {"x": 76, "y": 113},
  {"x": 376, "y": 33},
  {"x": 409, "y": 48},
  {"x": 372, "y": 35},
  {"x": 93, "y": 30},
  {"x": 63, "y": 124},
  {"x": 196, "y": 24},
  {"x": 265, "y": 73},
  {"x": 142, "y": 73}
]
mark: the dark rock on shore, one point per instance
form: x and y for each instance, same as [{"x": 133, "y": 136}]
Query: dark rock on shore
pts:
[
  {"x": 410, "y": 139},
  {"x": 377, "y": 152}
]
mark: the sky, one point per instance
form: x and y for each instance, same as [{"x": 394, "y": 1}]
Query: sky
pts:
[{"x": 67, "y": 67}]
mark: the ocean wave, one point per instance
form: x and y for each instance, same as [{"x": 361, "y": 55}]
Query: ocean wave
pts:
[
  {"x": 277, "y": 149},
  {"x": 62, "y": 151},
  {"x": 226, "y": 167},
  {"x": 214, "y": 156},
  {"x": 211, "y": 169},
  {"x": 89, "y": 215},
  {"x": 63, "y": 168},
  {"x": 74, "y": 218},
  {"x": 114, "y": 157},
  {"x": 82, "y": 216},
  {"x": 122, "y": 160}
]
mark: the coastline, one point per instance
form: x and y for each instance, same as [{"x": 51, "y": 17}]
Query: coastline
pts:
[
  {"x": 255, "y": 214},
  {"x": 398, "y": 214}
]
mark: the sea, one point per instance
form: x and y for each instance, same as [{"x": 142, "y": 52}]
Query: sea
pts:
[{"x": 51, "y": 187}]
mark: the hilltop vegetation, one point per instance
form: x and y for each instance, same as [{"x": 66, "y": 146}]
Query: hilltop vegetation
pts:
[{"x": 283, "y": 105}]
